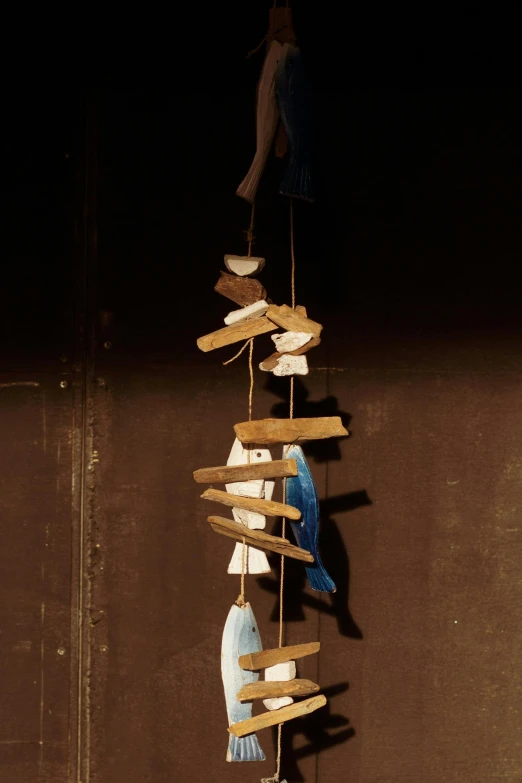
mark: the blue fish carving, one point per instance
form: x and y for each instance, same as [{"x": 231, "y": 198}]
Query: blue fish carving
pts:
[
  {"x": 301, "y": 493},
  {"x": 240, "y": 637},
  {"x": 292, "y": 104}
]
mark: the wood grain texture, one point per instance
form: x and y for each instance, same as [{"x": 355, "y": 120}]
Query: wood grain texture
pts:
[
  {"x": 272, "y": 690},
  {"x": 291, "y": 320},
  {"x": 266, "y": 658},
  {"x": 241, "y": 290},
  {"x": 267, "y": 507},
  {"x": 289, "y": 430},
  {"x": 267, "y": 719},
  {"x": 235, "y": 333},
  {"x": 259, "y": 538},
  {"x": 279, "y": 468}
]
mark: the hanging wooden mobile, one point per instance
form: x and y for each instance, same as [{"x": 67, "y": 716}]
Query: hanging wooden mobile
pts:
[{"x": 250, "y": 473}]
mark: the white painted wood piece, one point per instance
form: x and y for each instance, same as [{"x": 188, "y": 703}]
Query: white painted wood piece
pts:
[
  {"x": 291, "y": 365},
  {"x": 276, "y": 704},
  {"x": 290, "y": 341},
  {"x": 244, "y": 265},
  {"x": 256, "y": 560},
  {"x": 281, "y": 672},
  {"x": 245, "y": 313}
]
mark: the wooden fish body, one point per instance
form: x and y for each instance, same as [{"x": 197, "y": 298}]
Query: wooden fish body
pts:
[
  {"x": 292, "y": 103},
  {"x": 240, "y": 637},
  {"x": 301, "y": 493},
  {"x": 256, "y": 561}
]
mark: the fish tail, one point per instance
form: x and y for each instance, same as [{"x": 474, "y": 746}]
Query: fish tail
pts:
[
  {"x": 244, "y": 749},
  {"x": 297, "y": 181},
  {"x": 319, "y": 579}
]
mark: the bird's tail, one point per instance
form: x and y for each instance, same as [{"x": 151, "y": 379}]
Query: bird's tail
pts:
[{"x": 244, "y": 749}]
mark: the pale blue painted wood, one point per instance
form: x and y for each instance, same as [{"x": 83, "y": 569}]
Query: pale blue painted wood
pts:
[{"x": 240, "y": 637}]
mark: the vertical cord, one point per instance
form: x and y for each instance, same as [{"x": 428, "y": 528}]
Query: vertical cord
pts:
[
  {"x": 292, "y": 254},
  {"x": 283, "y": 527},
  {"x": 250, "y": 229},
  {"x": 241, "y": 598}
]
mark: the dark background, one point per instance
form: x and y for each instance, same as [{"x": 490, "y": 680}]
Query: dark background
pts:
[{"x": 121, "y": 158}]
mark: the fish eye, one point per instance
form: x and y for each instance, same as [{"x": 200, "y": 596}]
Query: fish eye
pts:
[{"x": 253, "y": 630}]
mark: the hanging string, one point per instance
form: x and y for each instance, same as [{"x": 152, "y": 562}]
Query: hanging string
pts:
[
  {"x": 244, "y": 550},
  {"x": 283, "y": 526},
  {"x": 292, "y": 253},
  {"x": 249, "y": 233}
]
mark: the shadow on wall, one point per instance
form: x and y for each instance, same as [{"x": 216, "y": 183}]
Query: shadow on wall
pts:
[{"x": 317, "y": 727}]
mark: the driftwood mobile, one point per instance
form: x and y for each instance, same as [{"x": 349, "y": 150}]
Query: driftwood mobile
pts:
[{"x": 250, "y": 473}]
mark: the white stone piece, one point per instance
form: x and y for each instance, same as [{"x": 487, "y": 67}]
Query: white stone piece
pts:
[
  {"x": 246, "y": 313},
  {"x": 290, "y": 341},
  {"x": 291, "y": 365},
  {"x": 276, "y": 704},
  {"x": 281, "y": 672},
  {"x": 244, "y": 265}
]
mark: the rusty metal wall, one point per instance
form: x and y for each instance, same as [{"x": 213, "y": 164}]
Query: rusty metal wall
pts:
[{"x": 114, "y": 591}]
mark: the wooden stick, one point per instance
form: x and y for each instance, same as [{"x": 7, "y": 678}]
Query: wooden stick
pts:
[
  {"x": 266, "y": 658},
  {"x": 267, "y": 507},
  {"x": 279, "y": 468},
  {"x": 235, "y": 333},
  {"x": 259, "y": 539},
  {"x": 277, "y": 716},
  {"x": 293, "y": 321},
  {"x": 289, "y": 430},
  {"x": 272, "y": 690}
]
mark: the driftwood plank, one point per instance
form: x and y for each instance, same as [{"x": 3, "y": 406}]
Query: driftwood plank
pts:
[
  {"x": 259, "y": 538},
  {"x": 292, "y": 320},
  {"x": 278, "y": 716},
  {"x": 267, "y": 507},
  {"x": 266, "y": 658},
  {"x": 235, "y": 333},
  {"x": 279, "y": 468},
  {"x": 289, "y": 430},
  {"x": 272, "y": 690},
  {"x": 241, "y": 290}
]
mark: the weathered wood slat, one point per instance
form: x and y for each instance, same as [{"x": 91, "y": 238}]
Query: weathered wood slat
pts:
[
  {"x": 279, "y": 468},
  {"x": 293, "y": 321},
  {"x": 266, "y": 658},
  {"x": 272, "y": 690},
  {"x": 277, "y": 716},
  {"x": 259, "y": 538},
  {"x": 241, "y": 290},
  {"x": 235, "y": 333},
  {"x": 289, "y": 430},
  {"x": 267, "y": 507}
]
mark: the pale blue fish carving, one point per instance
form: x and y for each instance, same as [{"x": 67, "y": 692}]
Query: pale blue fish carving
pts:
[
  {"x": 301, "y": 493},
  {"x": 240, "y": 637},
  {"x": 293, "y": 107}
]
